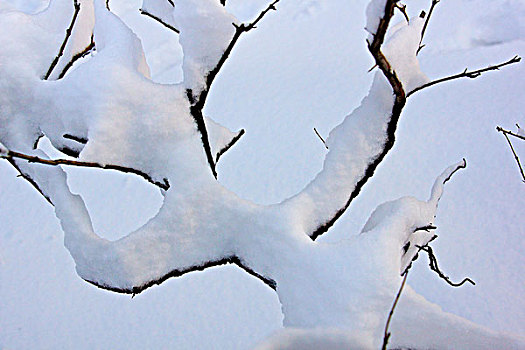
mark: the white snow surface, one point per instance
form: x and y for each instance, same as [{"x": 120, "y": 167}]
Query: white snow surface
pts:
[{"x": 334, "y": 292}]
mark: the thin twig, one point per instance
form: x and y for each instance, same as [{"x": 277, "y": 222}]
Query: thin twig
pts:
[
  {"x": 158, "y": 19},
  {"x": 320, "y": 138},
  {"x": 434, "y": 267},
  {"x": 77, "y": 56},
  {"x": 69, "y": 30},
  {"x": 434, "y": 3},
  {"x": 387, "y": 334},
  {"x": 466, "y": 74},
  {"x": 403, "y": 9},
  {"x": 55, "y": 162},
  {"x": 506, "y": 133},
  {"x": 229, "y": 145}
]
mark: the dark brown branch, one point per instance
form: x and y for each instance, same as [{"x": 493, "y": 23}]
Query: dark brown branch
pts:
[
  {"x": 55, "y": 162},
  {"x": 387, "y": 334},
  {"x": 463, "y": 166},
  {"x": 78, "y": 139},
  {"x": 403, "y": 9},
  {"x": 506, "y": 133},
  {"x": 399, "y": 102},
  {"x": 466, "y": 74},
  {"x": 198, "y": 101},
  {"x": 434, "y": 267},
  {"x": 223, "y": 2},
  {"x": 78, "y": 56},
  {"x": 69, "y": 30},
  {"x": 434, "y": 3},
  {"x": 320, "y": 138},
  {"x": 107, "y": 5},
  {"x": 146, "y": 13},
  {"x": 229, "y": 145},
  {"x": 179, "y": 272}
]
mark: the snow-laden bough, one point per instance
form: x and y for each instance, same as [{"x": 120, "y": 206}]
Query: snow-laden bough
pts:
[{"x": 107, "y": 111}]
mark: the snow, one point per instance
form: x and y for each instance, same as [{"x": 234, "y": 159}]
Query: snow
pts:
[{"x": 321, "y": 284}]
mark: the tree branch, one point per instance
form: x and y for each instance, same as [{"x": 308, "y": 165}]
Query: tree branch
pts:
[
  {"x": 69, "y": 30},
  {"x": 229, "y": 145},
  {"x": 506, "y": 133},
  {"x": 387, "y": 334},
  {"x": 179, "y": 272},
  {"x": 78, "y": 56},
  {"x": 198, "y": 102},
  {"x": 10, "y": 155},
  {"x": 434, "y": 267},
  {"x": 146, "y": 13},
  {"x": 434, "y": 3},
  {"x": 466, "y": 74},
  {"x": 399, "y": 103}
]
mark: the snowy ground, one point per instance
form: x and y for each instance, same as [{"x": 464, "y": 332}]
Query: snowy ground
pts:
[{"x": 304, "y": 67}]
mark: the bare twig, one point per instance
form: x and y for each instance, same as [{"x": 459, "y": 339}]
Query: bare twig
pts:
[
  {"x": 403, "y": 9},
  {"x": 320, "y": 138},
  {"x": 229, "y": 145},
  {"x": 146, "y": 13},
  {"x": 107, "y": 5},
  {"x": 11, "y": 155},
  {"x": 506, "y": 133},
  {"x": 387, "y": 333},
  {"x": 434, "y": 3},
  {"x": 69, "y": 30},
  {"x": 78, "y": 56},
  {"x": 434, "y": 267},
  {"x": 466, "y": 74}
]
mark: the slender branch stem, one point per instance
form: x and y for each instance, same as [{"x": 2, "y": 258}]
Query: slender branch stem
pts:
[
  {"x": 229, "y": 145},
  {"x": 69, "y": 30},
  {"x": 466, "y": 74},
  {"x": 78, "y": 56},
  {"x": 10, "y": 155},
  {"x": 434, "y": 267},
  {"x": 506, "y": 133},
  {"x": 387, "y": 333},
  {"x": 434, "y": 3},
  {"x": 146, "y": 13},
  {"x": 320, "y": 138}
]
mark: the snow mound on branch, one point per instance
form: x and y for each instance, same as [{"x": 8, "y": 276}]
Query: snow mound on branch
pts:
[
  {"x": 400, "y": 50},
  {"x": 206, "y": 29}
]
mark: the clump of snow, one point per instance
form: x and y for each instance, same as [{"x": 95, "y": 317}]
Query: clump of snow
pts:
[
  {"x": 520, "y": 131},
  {"x": 400, "y": 50},
  {"x": 374, "y": 12},
  {"x": 206, "y": 29},
  {"x": 3, "y": 150},
  {"x": 161, "y": 9}
]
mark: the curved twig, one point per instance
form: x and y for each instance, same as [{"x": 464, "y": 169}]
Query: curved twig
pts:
[
  {"x": 466, "y": 74},
  {"x": 69, "y": 30},
  {"x": 10, "y": 155}
]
